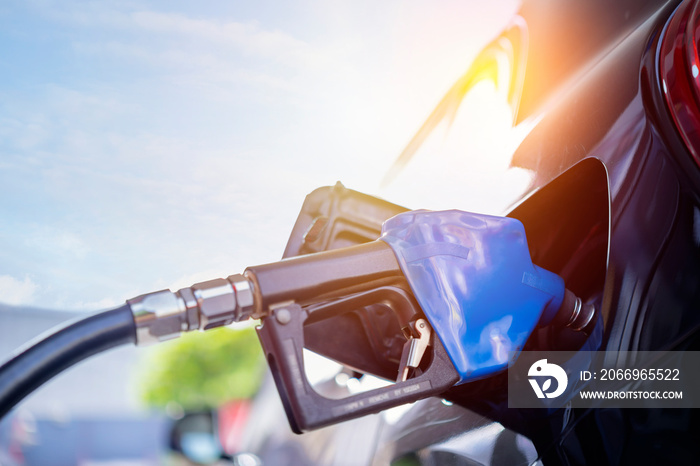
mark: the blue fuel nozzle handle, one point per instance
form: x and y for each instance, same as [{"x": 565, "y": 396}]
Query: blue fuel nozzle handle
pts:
[{"x": 475, "y": 281}]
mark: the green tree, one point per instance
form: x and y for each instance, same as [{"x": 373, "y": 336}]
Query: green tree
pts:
[{"x": 203, "y": 370}]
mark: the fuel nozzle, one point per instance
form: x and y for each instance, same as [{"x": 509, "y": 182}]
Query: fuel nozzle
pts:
[
  {"x": 451, "y": 261},
  {"x": 304, "y": 280},
  {"x": 462, "y": 287}
]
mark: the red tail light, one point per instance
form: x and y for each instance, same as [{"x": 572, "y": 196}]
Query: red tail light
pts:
[{"x": 679, "y": 68}]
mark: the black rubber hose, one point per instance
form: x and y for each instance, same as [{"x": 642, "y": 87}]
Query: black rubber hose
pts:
[{"x": 59, "y": 350}]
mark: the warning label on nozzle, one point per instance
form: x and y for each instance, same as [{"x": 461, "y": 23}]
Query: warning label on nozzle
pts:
[{"x": 609, "y": 379}]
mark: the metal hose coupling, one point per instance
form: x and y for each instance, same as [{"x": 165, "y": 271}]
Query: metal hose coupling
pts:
[{"x": 163, "y": 315}]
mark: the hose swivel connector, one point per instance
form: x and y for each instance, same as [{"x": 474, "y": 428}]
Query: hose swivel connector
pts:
[{"x": 164, "y": 314}]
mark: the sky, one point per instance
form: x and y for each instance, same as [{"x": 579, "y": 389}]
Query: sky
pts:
[{"x": 153, "y": 144}]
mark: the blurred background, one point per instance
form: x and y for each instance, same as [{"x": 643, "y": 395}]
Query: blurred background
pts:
[{"x": 153, "y": 144}]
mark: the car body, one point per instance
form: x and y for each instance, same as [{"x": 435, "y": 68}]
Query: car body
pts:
[{"x": 612, "y": 205}]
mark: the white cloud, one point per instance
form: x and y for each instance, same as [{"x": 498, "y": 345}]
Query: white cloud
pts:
[
  {"x": 248, "y": 37},
  {"x": 105, "y": 303},
  {"x": 17, "y": 292},
  {"x": 26, "y": 134},
  {"x": 204, "y": 71},
  {"x": 51, "y": 240}
]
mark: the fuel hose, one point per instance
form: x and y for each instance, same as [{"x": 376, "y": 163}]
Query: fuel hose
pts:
[{"x": 51, "y": 354}]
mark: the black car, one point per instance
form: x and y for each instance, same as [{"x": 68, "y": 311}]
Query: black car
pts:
[{"x": 608, "y": 94}]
